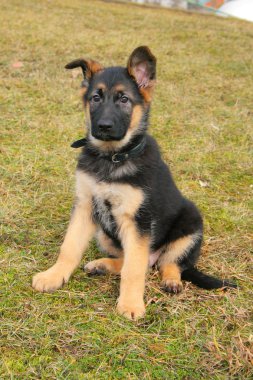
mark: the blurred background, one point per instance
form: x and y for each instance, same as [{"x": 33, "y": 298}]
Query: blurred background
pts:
[{"x": 237, "y": 8}]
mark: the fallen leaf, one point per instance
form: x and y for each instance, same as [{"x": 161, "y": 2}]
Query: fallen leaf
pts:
[
  {"x": 203, "y": 183},
  {"x": 17, "y": 65}
]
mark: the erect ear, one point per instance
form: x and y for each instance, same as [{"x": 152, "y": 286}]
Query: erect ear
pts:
[
  {"x": 142, "y": 67},
  {"x": 89, "y": 68}
]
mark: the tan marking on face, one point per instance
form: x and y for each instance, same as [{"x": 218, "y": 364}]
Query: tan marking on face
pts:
[
  {"x": 119, "y": 88},
  {"x": 87, "y": 115},
  {"x": 105, "y": 264},
  {"x": 83, "y": 91},
  {"x": 100, "y": 86},
  {"x": 107, "y": 146},
  {"x": 136, "y": 117}
]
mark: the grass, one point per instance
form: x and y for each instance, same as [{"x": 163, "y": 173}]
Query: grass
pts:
[{"x": 202, "y": 119}]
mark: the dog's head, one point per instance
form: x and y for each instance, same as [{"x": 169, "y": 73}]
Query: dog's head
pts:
[{"x": 117, "y": 99}]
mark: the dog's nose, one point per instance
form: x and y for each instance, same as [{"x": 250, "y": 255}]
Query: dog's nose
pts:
[{"x": 105, "y": 125}]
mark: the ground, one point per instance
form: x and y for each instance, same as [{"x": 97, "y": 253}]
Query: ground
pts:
[{"x": 202, "y": 119}]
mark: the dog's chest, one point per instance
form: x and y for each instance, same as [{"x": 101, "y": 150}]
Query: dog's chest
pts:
[
  {"x": 102, "y": 213},
  {"x": 111, "y": 202}
]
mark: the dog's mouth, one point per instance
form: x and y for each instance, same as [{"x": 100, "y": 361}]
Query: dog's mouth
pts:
[{"x": 106, "y": 137}]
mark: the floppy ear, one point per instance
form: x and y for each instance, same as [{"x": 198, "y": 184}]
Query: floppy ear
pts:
[
  {"x": 89, "y": 68},
  {"x": 142, "y": 67}
]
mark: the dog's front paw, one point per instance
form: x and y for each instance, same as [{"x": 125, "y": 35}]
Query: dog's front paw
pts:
[
  {"x": 49, "y": 280},
  {"x": 172, "y": 286},
  {"x": 130, "y": 310}
]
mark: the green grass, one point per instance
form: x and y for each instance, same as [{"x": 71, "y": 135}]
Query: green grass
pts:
[{"x": 202, "y": 119}]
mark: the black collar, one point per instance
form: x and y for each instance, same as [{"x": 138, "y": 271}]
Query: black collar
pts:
[{"x": 116, "y": 157}]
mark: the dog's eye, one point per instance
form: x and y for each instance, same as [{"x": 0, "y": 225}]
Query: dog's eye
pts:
[
  {"x": 124, "y": 99},
  {"x": 96, "y": 98}
]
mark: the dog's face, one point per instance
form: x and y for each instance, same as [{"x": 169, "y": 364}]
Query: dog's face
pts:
[{"x": 116, "y": 99}]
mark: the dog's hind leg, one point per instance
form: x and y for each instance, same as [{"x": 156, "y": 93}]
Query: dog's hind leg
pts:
[
  {"x": 169, "y": 262},
  {"x": 171, "y": 278}
]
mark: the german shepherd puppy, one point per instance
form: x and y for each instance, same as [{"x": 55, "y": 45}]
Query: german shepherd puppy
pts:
[{"x": 125, "y": 194}]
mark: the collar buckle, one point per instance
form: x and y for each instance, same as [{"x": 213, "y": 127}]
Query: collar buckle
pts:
[{"x": 114, "y": 158}]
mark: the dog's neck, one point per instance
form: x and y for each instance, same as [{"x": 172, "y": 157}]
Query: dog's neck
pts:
[{"x": 133, "y": 149}]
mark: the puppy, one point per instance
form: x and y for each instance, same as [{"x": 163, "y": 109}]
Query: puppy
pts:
[{"x": 125, "y": 194}]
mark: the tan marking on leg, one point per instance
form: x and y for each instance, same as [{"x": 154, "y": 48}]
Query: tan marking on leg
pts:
[
  {"x": 106, "y": 264},
  {"x": 171, "y": 278},
  {"x": 80, "y": 231},
  {"x": 136, "y": 251},
  {"x": 169, "y": 269},
  {"x": 133, "y": 273},
  {"x": 106, "y": 244},
  {"x": 177, "y": 249}
]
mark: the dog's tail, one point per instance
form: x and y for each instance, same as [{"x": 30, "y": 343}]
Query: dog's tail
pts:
[{"x": 205, "y": 281}]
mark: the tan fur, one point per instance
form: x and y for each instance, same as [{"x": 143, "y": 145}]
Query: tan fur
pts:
[
  {"x": 147, "y": 92},
  {"x": 83, "y": 91},
  {"x": 171, "y": 277},
  {"x": 105, "y": 264},
  {"x": 87, "y": 114},
  {"x": 113, "y": 145},
  {"x": 170, "y": 271},
  {"x": 125, "y": 201},
  {"x": 133, "y": 273},
  {"x": 136, "y": 253},
  {"x": 178, "y": 248},
  {"x": 80, "y": 231},
  {"x": 136, "y": 117},
  {"x": 101, "y": 86},
  {"x": 119, "y": 88},
  {"x": 110, "y": 145},
  {"x": 93, "y": 67}
]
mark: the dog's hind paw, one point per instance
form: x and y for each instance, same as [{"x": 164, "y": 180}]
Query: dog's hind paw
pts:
[{"x": 172, "y": 286}]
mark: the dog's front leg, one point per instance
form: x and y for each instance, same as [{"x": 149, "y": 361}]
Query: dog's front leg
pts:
[
  {"x": 133, "y": 273},
  {"x": 80, "y": 231}
]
